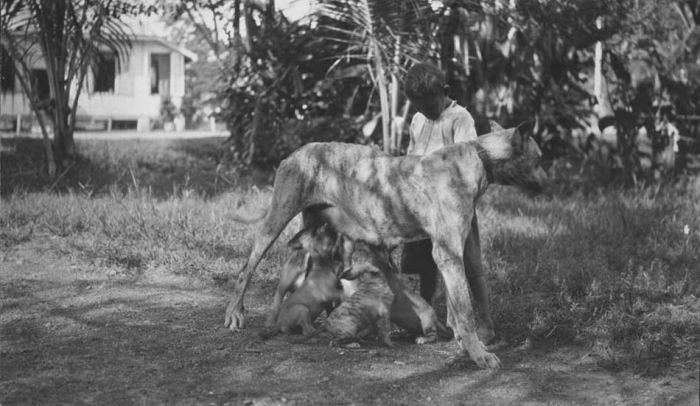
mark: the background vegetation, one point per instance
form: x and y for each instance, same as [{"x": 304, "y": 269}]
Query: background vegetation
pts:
[{"x": 509, "y": 61}]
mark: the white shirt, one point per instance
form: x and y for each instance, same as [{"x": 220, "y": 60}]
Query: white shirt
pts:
[{"x": 455, "y": 124}]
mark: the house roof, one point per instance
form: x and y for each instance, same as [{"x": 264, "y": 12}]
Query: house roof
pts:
[
  {"x": 153, "y": 28},
  {"x": 189, "y": 55}
]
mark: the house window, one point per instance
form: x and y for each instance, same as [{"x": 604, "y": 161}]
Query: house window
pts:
[
  {"x": 154, "y": 75},
  {"x": 40, "y": 83},
  {"x": 160, "y": 74},
  {"x": 105, "y": 73},
  {"x": 7, "y": 73}
]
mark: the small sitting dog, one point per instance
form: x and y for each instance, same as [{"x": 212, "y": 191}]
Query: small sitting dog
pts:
[{"x": 320, "y": 290}]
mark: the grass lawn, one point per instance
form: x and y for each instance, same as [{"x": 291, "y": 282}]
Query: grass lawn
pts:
[{"x": 616, "y": 270}]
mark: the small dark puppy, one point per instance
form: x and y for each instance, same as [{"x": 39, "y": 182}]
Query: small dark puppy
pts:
[
  {"x": 320, "y": 290},
  {"x": 367, "y": 310},
  {"x": 295, "y": 270}
]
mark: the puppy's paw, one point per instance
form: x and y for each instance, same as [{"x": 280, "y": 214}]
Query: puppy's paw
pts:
[{"x": 425, "y": 339}]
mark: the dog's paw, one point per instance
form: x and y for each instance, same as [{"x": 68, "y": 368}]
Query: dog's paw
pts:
[
  {"x": 487, "y": 360},
  {"x": 234, "y": 319},
  {"x": 425, "y": 339}
]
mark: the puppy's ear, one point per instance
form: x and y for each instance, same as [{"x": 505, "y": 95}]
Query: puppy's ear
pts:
[{"x": 295, "y": 242}]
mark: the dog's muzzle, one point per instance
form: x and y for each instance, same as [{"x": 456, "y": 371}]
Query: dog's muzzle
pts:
[{"x": 538, "y": 182}]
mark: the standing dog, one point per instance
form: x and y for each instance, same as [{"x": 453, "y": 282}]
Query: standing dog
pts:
[
  {"x": 385, "y": 201},
  {"x": 320, "y": 290}
]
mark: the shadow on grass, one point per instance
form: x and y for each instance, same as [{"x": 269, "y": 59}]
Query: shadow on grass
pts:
[{"x": 160, "y": 167}]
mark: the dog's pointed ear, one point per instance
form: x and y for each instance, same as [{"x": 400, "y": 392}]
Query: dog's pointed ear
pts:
[
  {"x": 521, "y": 134},
  {"x": 495, "y": 126},
  {"x": 295, "y": 242}
]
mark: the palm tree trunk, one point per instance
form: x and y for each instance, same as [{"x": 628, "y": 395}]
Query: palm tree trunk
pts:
[
  {"x": 255, "y": 129},
  {"x": 598, "y": 71},
  {"x": 383, "y": 99}
]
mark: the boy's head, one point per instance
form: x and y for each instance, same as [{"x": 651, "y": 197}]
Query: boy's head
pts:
[{"x": 425, "y": 87}]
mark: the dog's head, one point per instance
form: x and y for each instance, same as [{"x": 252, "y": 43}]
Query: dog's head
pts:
[
  {"x": 514, "y": 158},
  {"x": 319, "y": 242}
]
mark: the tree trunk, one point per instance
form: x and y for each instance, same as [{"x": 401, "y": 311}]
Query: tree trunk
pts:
[
  {"x": 51, "y": 167},
  {"x": 255, "y": 129},
  {"x": 395, "y": 147},
  {"x": 598, "y": 72}
]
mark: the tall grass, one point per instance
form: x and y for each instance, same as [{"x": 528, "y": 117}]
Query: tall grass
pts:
[
  {"x": 616, "y": 270},
  {"x": 134, "y": 232}
]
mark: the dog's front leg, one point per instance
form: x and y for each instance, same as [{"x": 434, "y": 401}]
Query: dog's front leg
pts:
[{"x": 459, "y": 304}]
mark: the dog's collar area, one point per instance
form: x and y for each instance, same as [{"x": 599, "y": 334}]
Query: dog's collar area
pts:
[{"x": 486, "y": 160}]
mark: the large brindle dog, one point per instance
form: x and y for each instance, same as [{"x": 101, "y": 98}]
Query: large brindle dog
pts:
[{"x": 386, "y": 201}]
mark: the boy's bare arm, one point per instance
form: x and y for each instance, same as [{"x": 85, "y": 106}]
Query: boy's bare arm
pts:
[{"x": 411, "y": 136}]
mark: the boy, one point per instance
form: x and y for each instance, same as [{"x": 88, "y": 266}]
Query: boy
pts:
[{"x": 440, "y": 121}]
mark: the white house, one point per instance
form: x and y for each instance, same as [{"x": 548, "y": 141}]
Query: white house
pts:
[{"x": 129, "y": 98}]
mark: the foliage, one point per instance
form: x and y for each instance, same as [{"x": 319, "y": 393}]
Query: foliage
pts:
[
  {"x": 282, "y": 80},
  {"x": 168, "y": 110},
  {"x": 648, "y": 64},
  {"x": 507, "y": 61},
  {"x": 385, "y": 36}
]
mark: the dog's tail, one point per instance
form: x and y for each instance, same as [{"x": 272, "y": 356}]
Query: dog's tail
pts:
[{"x": 248, "y": 218}]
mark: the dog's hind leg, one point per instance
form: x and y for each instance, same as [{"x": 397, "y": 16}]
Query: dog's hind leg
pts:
[{"x": 460, "y": 312}]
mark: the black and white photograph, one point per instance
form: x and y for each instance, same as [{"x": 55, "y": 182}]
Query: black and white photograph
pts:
[{"x": 350, "y": 202}]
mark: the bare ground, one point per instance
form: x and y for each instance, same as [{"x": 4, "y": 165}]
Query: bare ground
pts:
[{"x": 71, "y": 334}]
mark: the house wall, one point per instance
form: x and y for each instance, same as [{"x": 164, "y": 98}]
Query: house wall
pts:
[{"x": 131, "y": 98}]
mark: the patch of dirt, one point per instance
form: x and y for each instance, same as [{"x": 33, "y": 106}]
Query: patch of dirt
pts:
[{"x": 70, "y": 334}]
